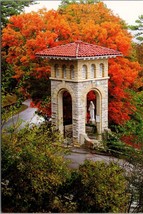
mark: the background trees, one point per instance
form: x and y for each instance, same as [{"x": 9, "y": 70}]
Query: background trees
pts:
[
  {"x": 138, "y": 46},
  {"x": 9, "y": 84},
  {"x": 138, "y": 28},
  {"x": 93, "y": 23},
  {"x": 103, "y": 28},
  {"x": 10, "y": 8},
  {"x": 25, "y": 35},
  {"x": 32, "y": 181}
]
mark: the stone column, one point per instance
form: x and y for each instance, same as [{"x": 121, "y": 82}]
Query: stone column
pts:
[
  {"x": 78, "y": 114},
  {"x": 54, "y": 105},
  {"x": 105, "y": 106}
]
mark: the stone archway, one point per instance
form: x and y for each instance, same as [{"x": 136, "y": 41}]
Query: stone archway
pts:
[
  {"x": 94, "y": 128},
  {"x": 64, "y": 105},
  {"x": 57, "y": 90}
]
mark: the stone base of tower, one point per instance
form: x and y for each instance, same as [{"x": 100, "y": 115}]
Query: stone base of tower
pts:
[
  {"x": 88, "y": 143},
  {"x": 76, "y": 142},
  {"x": 78, "y": 92}
]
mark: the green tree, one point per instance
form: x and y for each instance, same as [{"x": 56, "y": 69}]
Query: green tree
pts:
[
  {"x": 132, "y": 133},
  {"x": 9, "y": 84},
  {"x": 104, "y": 187},
  {"x": 138, "y": 46},
  {"x": 12, "y": 7},
  {"x": 33, "y": 167},
  {"x": 127, "y": 143},
  {"x": 66, "y": 2},
  {"x": 134, "y": 127},
  {"x": 138, "y": 28},
  {"x": 97, "y": 187}
]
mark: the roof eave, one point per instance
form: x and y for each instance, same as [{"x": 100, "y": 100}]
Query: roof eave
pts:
[{"x": 78, "y": 58}]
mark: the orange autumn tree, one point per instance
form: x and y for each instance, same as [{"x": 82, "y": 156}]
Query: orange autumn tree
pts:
[
  {"x": 96, "y": 24},
  {"x": 24, "y": 36},
  {"x": 29, "y": 33},
  {"x": 93, "y": 23}
]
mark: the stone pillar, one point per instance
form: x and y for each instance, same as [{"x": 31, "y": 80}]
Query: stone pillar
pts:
[
  {"x": 105, "y": 106},
  {"x": 54, "y": 106},
  {"x": 78, "y": 114}
]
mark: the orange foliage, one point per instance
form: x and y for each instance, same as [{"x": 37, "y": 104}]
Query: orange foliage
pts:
[
  {"x": 93, "y": 23},
  {"x": 129, "y": 140},
  {"x": 45, "y": 109},
  {"x": 28, "y": 33}
]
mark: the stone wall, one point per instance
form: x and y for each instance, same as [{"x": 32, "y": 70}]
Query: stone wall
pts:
[
  {"x": 78, "y": 68},
  {"x": 78, "y": 89},
  {"x": 78, "y": 92}
]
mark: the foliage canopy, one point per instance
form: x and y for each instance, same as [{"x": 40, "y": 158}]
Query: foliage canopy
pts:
[{"x": 94, "y": 23}]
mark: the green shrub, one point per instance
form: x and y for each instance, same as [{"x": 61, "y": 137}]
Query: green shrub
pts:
[
  {"x": 116, "y": 147},
  {"x": 33, "y": 167},
  {"x": 97, "y": 187}
]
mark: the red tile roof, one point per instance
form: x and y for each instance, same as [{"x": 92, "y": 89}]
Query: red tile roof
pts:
[{"x": 78, "y": 50}]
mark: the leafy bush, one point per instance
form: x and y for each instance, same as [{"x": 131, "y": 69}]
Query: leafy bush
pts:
[
  {"x": 104, "y": 187},
  {"x": 116, "y": 147},
  {"x": 33, "y": 167},
  {"x": 96, "y": 187}
]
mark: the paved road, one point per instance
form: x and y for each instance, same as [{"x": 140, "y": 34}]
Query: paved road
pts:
[
  {"x": 79, "y": 155},
  {"x": 26, "y": 116}
]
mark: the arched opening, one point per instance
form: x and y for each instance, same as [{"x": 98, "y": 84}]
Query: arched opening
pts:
[
  {"x": 56, "y": 70},
  {"x": 92, "y": 71},
  {"x": 65, "y": 113},
  {"x": 64, "y": 72},
  {"x": 101, "y": 70},
  {"x": 72, "y": 71},
  {"x": 84, "y": 72},
  {"x": 93, "y": 114}
]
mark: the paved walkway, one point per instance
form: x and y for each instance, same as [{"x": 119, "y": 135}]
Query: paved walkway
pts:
[
  {"x": 79, "y": 155},
  {"x": 26, "y": 116}
]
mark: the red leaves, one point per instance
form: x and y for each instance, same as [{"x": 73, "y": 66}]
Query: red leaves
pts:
[
  {"x": 93, "y": 23},
  {"x": 122, "y": 74},
  {"x": 44, "y": 109},
  {"x": 129, "y": 140},
  {"x": 42, "y": 72},
  {"x": 91, "y": 96},
  {"x": 119, "y": 111}
]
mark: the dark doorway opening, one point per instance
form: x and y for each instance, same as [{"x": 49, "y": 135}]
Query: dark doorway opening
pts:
[
  {"x": 91, "y": 128},
  {"x": 67, "y": 114}
]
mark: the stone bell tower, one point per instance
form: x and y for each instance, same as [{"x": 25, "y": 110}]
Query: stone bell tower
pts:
[{"x": 78, "y": 68}]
